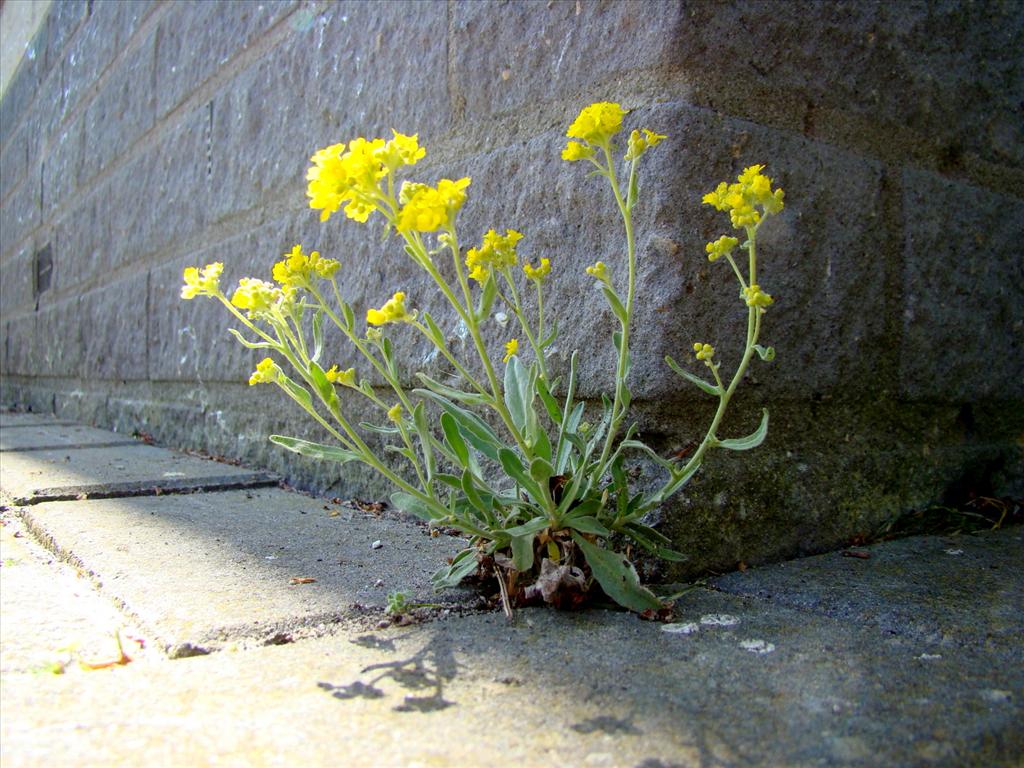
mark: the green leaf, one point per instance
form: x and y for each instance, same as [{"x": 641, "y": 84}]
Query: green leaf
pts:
[
  {"x": 469, "y": 398},
  {"x": 541, "y": 470},
  {"x": 414, "y": 506},
  {"x": 348, "y": 315},
  {"x": 587, "y": 524},
  {"x": 296, "y": 392},
  {"x": 542, "y": 444},
  {"x": 513, "y": 467},
  {"x": 487, "y": 295},
  {"x": 617, "y": 577},
  {"x": 750, "y": 441},
  {"x": 766, "y": 353},
  {"x": 454, "y": 439},
  {"x": 472, "y": 427},
  {"x": 671, "y": 555},
  {"x": 380, "y": 429},
  {"x": 324, "y": 388},
  {"x": 472, "y": 494},
  {"x": 641, "y": 446},
  {"x": 435, "y": 332},
  {"x": 250, "y": 344},
  {"x": 518, "y": 394},
  {"x": 548, "y": 340},
  {"x": 461, "y": 566},
  {"x": 711, "y": 389},
  {"x": 550, "y": 404},
  {"x": 535, "y": 526},
  {"x": 316, "y": 450},
  {"x": 522, "y": 552},
  {"x": 419, "y": 420},
  {"x": 318, "y": 335},
  {"x": 615, "y": 304}
]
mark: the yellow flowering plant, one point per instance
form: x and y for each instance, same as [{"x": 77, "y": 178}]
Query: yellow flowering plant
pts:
[{"x": 504, "y": 456}]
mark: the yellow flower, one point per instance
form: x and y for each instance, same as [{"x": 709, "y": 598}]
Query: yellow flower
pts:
[
  {"x": 339, "y": 175},
  {"x": 752, "y": 188},
  {"x": 495, "y": 252},
  {"x": 575, "y": 151},
  {"x": 256, "y": 296},
  {"x": 638, "y": 144},
  {"x": 511, "y": 348},
  {"x": 723, "y": 246},
  {"x": 393, "y": 311},
  {"x": 597, "y": 123},
  {"x": 755, "y": 297},
  {"x": 540, "y": 272},
  {"x": 395, "y": 413},
  {"x": 345, "y": 378},
  {"x": 428, "y": 209},
  {"x": 204, "y": 282},
  {"x": 599, "y": 271},
  {"x": 298, "y": 270},
  {"x": 704, "y": 351},
  {"x": 401, "y": 150},
  {"x": 266, "y": 372}
]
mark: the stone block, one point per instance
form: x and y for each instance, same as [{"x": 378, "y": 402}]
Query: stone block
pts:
[
  {"x": 105, "y": 34},
  {"x": 62, "y": 21},
  {"x": 508, "y": 56},
  {"x": 16, "y": 286},
  {"x": 19, "y": 216},
  {"x": 937, "y": 79},
  {"x": 963, "y": 284},
  {"x": 14, "y": 162},
  {"x": 19, "y": 338},
  {"x": 115, "y": 330},
  {"x": 58, "y": 342},
  {"x": 122, "y": 111},
  {"x": 82, "y": 237},
  {"x": 334, "y": 78},
  {"x": 61, "y": 170},
  {"x": 196, "y": 38}
]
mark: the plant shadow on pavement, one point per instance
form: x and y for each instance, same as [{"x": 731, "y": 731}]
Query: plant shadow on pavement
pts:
[{"x": 424, "y": 674}]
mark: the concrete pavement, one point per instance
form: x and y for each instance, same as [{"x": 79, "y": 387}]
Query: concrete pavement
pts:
[{"x": 253, "y": 617}]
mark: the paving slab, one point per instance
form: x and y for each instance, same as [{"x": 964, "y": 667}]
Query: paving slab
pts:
[
  {"x": 10, "y": 419},
  {"x": 33, "y": 477},
  {"x": 50, "y": 436},
  {"x": 205, "y": 571},
  {"x": 753, "y": 685},
  {"x": 946, "y": 590}
]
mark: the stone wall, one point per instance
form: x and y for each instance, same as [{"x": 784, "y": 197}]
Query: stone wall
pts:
[{"x": 142, "y": 137}]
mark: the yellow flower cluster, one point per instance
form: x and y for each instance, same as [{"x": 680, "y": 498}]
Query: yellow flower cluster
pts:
[
  {"x": 755, "y": 297},
  {"x": 752, "y": 188},
  {"x": 266, "y": 372},
  {"x": 640, "y": 143},
  {"x": 704, "y": 351},
  {"x": 298, "y": 270},
  {"x": 256, "y": 296},
  {"x": 351, "y": 174},
  {"x": 723, "y": 246},
  {"x": 598, "y": 270},
  {"x": 597, "y": 123},
  {"x": 395, "y": 413},
  {"x": 393, "y": 311},
  {"x": 511, "y": 348},
  {"x": 345, "y": 378},
  {"x": 428, "y": 209},
  {"x": 202, "y": 282},
  {"x": 496, "y": 252},
  {"x": 540, "y": 272}
]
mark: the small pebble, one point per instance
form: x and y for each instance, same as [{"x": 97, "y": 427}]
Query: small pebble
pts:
[
  {"x": 757, "y": 646},
  {"x": 376, "y": 545},
  {"x": 379, "y": 583},
  {"x": 680, "y": 629},
  {"x": 954, "y": 551},
  {"x": 719, "y": 620}
]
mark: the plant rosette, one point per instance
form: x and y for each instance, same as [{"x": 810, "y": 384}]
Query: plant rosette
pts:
[{"x": 505, "y": 455}]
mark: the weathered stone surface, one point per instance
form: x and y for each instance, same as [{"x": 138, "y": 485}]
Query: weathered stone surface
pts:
[
  {"x": 14, "y": 162},
  {"x": 37, "y": 475},
  {"x": 23, "y": 86},
  {"x": 16, "y": 286},
  {"x": 19, "y": 215},
  {"x": 115, "y": 330},
  {"x": 935, "y": 79},
  {"x": 122, "y": 111},
  {"x": 950, "y": 581},
  {"x": 43, "y": 437},
  {"x": 508, "y": 56},
  {"x": 61, "y": 170},
  {"x": 964, "y": 288},
  {"x": 206, "y": 570},
  {"x": 107, "y": 30},
  {"x": 57, "y": 344},
  {"x": 197, "y": 38}
]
